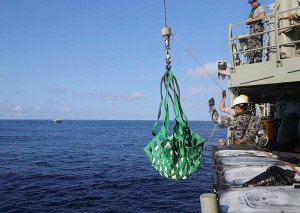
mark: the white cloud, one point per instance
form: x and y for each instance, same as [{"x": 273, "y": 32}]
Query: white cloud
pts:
[
  {"x": 195, "y": 91},
  {"x": 58, "y": 90},
  {"x": 18, "y": 109},
  {"x": 65, "y": 110},
  {"x": 210, "y": 68},
  {"x": 117, "y": 97},
  {"x": 89, "y": 94},
  {"x": 136, "y": 95},
  {"x": 36, "y": 109},
  {"x": 109, "y": 97}
]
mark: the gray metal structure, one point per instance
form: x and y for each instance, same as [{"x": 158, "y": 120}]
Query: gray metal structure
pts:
[
  {"x": 274, "y": 82},
  {"x": 273, "y": 88}
]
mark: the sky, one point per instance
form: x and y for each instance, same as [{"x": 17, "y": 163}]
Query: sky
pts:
[{"x": 103, "y": 60}]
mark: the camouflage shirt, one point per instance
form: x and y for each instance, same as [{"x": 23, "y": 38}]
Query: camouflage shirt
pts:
[{"x": 245, "y": 128}]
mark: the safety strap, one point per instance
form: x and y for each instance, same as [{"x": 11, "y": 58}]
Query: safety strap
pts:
[
  {"x": 244, "y": 132},
  {"x": 170, "y": 83},
  {"x": 178, "y": 155}
]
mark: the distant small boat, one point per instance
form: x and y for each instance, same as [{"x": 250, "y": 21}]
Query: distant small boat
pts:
[{"x": 57, "y": 120}]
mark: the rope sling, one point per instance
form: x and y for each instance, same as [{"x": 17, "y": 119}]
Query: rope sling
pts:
[{"x": 176, "y": 155}]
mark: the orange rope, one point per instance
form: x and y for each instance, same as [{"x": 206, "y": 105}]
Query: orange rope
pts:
[{"x": 292, "y": 167}]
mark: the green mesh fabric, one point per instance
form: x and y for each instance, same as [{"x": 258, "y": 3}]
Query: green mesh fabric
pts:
[{"x": 178, "y": 155}]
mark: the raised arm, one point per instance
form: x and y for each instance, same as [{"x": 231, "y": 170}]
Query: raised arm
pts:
[
  {"x": 222, "y": 103},
  {"x": 222, "y": 121}
]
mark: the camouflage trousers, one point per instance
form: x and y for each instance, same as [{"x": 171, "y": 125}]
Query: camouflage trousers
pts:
[{"x": 255, "y": 42}]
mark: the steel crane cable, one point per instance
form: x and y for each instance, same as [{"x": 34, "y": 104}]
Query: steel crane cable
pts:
[
  {"x": 191, "y": 54},
  {"x": 176, "y": 155},
  {"x": 165, "y": 12}
]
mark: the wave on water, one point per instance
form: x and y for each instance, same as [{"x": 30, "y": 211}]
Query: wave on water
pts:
[{"x": 92, "y": 166}]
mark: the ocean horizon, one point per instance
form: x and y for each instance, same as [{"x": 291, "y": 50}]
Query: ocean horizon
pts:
[{"x": 93, "y": 166}]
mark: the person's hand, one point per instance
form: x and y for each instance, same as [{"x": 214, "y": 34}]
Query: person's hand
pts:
[
  {"x": 292, "y": 17},
  {"x": 211, "y": 102},
  {"x": 224, "y": 94},
  {"x": 249, "y": 20}
]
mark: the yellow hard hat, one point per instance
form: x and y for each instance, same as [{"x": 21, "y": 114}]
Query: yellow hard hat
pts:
[
  {"x": 242, "y": 99},
  {"x": 245, "y": 97}
]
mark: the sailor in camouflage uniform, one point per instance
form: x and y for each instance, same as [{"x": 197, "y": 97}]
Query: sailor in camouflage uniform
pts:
[
  {"x": 245, "y": 127},
  {"x": 255, "y": 27}
]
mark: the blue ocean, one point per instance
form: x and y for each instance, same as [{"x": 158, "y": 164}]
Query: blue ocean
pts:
[{"x": 93, "y": 166}]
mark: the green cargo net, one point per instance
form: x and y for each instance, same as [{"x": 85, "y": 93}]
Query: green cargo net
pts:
[{"x": 178, "y": 155}]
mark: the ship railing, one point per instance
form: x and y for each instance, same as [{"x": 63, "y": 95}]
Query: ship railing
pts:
[{"x": 238, "y": 44}]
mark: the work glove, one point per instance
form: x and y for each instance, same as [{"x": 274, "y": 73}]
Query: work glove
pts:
[
  {"x": 224, "y": 94},
  {"x": 211, "y": 102}
]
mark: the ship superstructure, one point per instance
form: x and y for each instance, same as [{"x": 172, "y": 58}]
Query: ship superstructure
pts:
[
  {"x": 273, "y": 88},
  {"x": 272, "y": 85}
]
